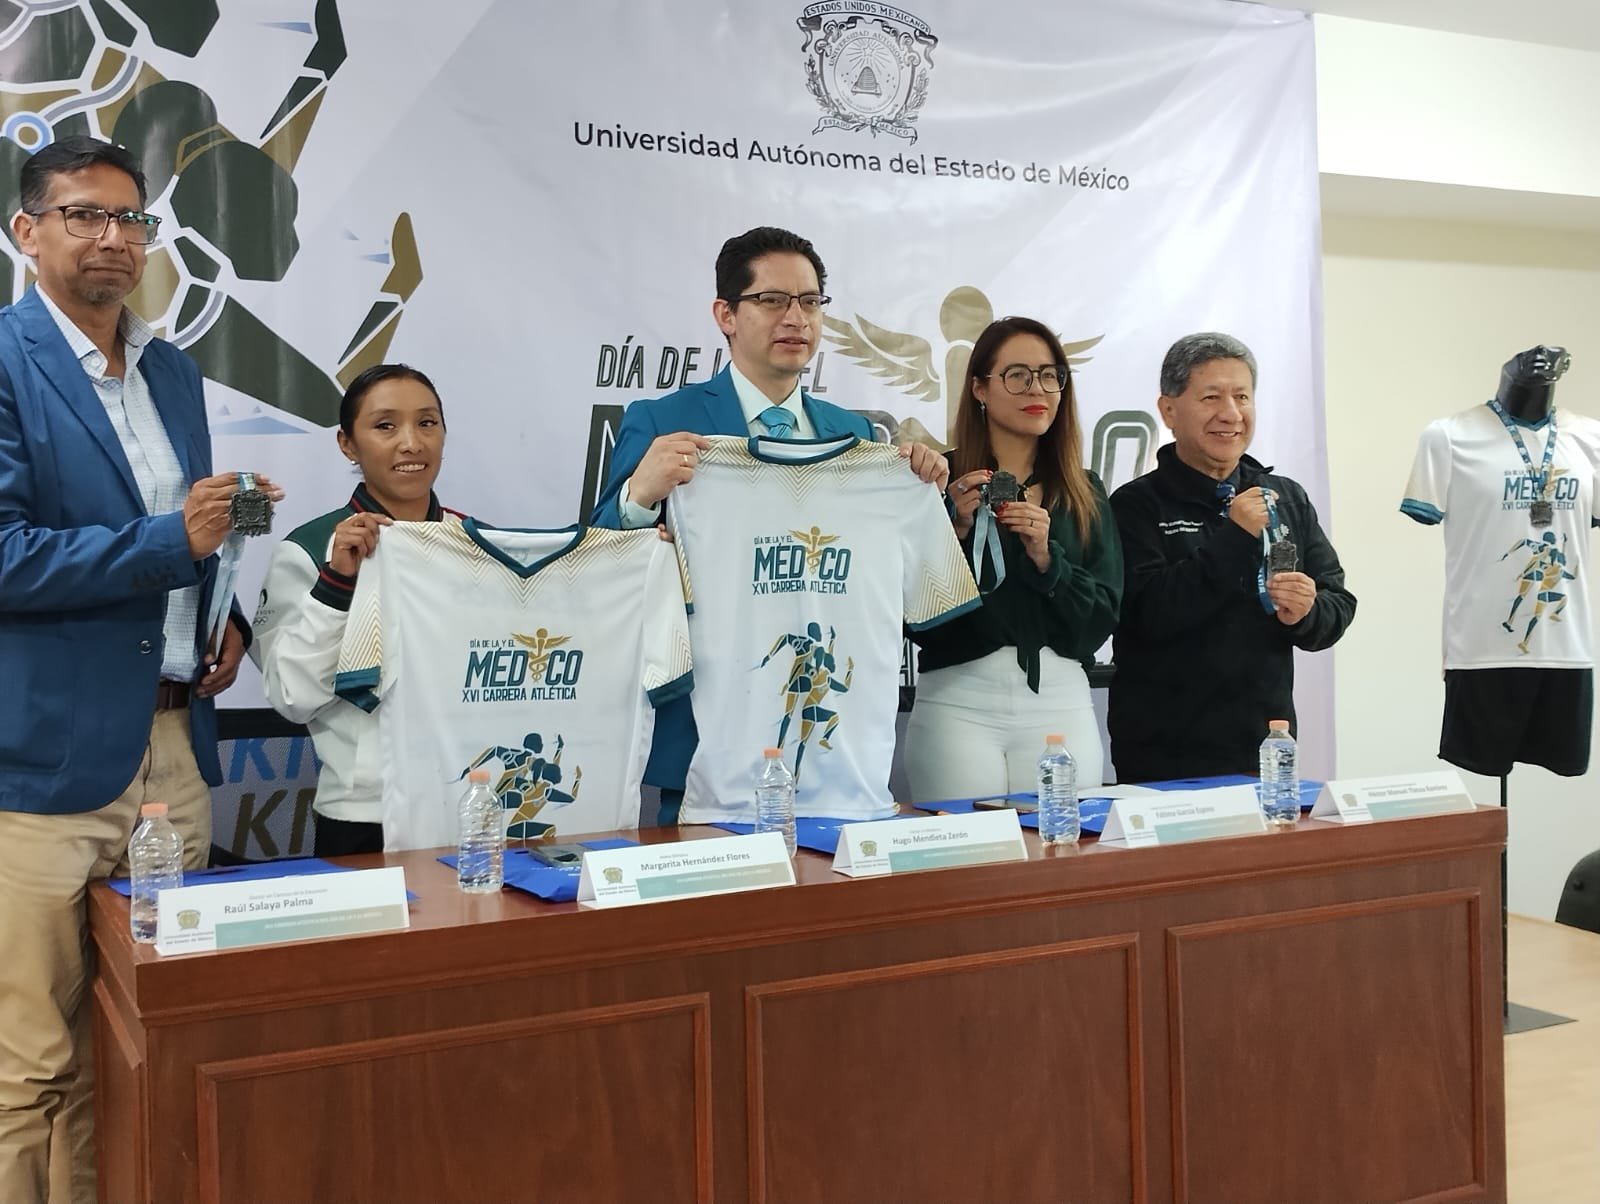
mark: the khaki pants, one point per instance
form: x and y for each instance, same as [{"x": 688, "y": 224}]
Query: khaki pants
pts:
[{"x": 47, "y": 964}]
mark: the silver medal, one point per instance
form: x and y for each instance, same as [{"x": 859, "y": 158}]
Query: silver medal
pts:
[{"x": 250, "y": 511}]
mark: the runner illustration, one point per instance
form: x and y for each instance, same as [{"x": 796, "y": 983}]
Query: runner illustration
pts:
[
  {"x": 527, "y": 783},
  {"x": 810, "y": 680},
  {"x": 228, "y": 191},
  {"x": 1542, "y": 576}
]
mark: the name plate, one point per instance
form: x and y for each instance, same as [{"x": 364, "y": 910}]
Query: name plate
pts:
[
  {"x": 232, "y": 915},
  {"x": 1174, "y": 816},
  {"x": 684, "y": 870},
  {"x": 935, "y": 843},
  {"x": 1361, "y": 800}
]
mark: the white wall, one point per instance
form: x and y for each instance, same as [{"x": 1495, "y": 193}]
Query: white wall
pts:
[
  {"x": 1417, "y": 104},
  {"x": 1420, "y": 316}
]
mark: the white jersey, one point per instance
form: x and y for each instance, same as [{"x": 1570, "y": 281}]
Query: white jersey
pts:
[
  {"x": 1516, "y": 590},
  {"x": 538, "y": 654},
  {"x": 803, "y": 559}
]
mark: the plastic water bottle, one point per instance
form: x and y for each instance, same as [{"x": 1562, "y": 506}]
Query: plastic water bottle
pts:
[
  {"x": 155, "y": 856},
  {"x": 1058, "y": 793},
  {"x": 481, "y": 854},
  {"x": 775, "y": 797},
  {"x": 1280, "y": 776}
]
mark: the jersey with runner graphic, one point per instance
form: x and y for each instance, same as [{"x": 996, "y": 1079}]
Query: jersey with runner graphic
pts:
[
  {"x": 537, "y": 654},
  {"x": 803, "y": 558},
  {"x": 1516, "y": 590}
]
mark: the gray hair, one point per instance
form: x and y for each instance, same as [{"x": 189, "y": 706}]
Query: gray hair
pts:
[{"x": 1193, "y": 350}]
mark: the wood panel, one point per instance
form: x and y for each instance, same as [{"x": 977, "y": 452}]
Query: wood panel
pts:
[
  {"x": 605, "y": 1104},
  {"x": 734, "y": 1047},
  {"x": 120, "y": 1090},
  {"x": 1297, "y": 1078},
  {"x": 923, "y": 1061}
]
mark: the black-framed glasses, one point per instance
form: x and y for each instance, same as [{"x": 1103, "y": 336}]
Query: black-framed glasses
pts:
[
  {"x": 90, "y": 221},
  {"x": 776, "y": 301},
  {"x": 1019, "y": 380}
]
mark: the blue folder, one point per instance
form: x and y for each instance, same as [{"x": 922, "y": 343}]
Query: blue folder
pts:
[
  {"x": 552, "y": 883},
  {"x": 819, "y": 833},
  {"x": 244, "y": 873}
]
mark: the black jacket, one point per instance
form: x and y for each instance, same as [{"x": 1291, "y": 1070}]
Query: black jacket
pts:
[{"x": 1201, "y": 665}]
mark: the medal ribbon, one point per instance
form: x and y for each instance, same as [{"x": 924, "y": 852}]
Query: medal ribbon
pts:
[
  {"x": 1275, "y": 530},
  {"x": 1541, "y": 478},
  {"x": 231, "y": 554},
  {"x": 986, "y": 539}
]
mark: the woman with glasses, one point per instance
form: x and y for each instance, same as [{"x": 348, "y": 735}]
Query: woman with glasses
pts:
[
  {"x": 391, "y": 426},
  {"x": 994, "y": 682}
]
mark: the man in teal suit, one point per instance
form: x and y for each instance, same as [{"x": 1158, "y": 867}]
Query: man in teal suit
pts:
[
  {"x": 769, "y": 307},
  {"x": 109, "y": 521}
]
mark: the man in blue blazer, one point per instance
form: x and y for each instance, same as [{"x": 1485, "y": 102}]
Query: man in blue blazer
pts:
[
  {"x": 109, "y": 521},
  {"x": 769, "y": 307}
]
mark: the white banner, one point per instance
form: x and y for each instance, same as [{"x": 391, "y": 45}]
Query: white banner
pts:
[{"x": 526, "y": 201}]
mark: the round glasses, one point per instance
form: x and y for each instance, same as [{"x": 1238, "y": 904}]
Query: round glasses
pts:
[
  {"x": 1019, "y": 380},
  {"x": 90, "y": 221}
]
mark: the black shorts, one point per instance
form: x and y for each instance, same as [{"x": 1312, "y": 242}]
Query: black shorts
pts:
[{"x": 1496, "y": 717}]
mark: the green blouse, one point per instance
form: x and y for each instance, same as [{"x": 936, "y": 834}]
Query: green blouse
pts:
[{"x": 1071, "y": 608}]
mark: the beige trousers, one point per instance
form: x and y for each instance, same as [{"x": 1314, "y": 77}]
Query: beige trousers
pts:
[{"x": 47, "y": 964}]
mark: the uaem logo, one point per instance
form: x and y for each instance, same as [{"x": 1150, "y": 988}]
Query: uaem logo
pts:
[{"x": 868, "y": 65}]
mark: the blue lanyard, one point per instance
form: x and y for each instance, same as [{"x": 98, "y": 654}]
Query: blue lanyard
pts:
[
  {"x": 1225, "y": 495},
  {"x": 986, "y": 538},
  {"x": 1275, "y": 531},
  {"x": 1541, "y": 478}
]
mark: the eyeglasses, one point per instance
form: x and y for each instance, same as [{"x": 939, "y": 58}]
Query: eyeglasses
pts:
[
  {"x": 776, "y": 301},
  {"x": 1019, "y": 379},
  {"x": 90, "y": 221}
]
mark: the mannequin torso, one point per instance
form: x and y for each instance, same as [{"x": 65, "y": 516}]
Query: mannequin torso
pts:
[{"x": 1528, "y": 382}]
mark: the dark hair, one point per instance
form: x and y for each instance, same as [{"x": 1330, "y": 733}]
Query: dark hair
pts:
[
  {"x": 736, "y": 260},
  {"x": 350, "y": 406},
  {"x": 1058, "y": 460},
  {"x": 1194, "y": 350},
  {"x": 67, "y": 156}
]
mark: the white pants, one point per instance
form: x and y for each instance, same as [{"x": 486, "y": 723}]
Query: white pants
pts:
[{"x": 977, "y": 729}]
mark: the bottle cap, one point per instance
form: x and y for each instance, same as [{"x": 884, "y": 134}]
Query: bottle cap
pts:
[
  {"x": 153, "y": 809},
  {"x": 1055, "y": 739},
  {"x": 772, "y": 754},
  {"x": 478, "y": 775},
  {"x": 1277, "y": 725}
]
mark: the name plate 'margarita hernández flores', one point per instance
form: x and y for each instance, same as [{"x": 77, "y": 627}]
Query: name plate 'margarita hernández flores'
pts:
[
  {"x": 684, "y": 869},
  {"x": 937, "y": 842}
]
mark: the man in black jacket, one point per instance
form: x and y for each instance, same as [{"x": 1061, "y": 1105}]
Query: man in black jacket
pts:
[{"x": 1226, "y": 572}]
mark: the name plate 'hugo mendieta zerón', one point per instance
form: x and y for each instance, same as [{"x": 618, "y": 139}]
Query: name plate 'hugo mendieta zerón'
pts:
[
  {"x": 935, "y": 843},
  {"x": 684, "y": 869},
  {"x": 231, "y": 915},
  {"x": 1174, "y": 816},
  {"x": 1360, "y": 800}
]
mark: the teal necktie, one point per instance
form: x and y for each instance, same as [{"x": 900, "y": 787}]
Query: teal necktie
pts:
[{"x": 779, "y": 421}]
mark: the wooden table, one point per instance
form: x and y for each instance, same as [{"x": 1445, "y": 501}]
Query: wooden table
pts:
[{"x": 1304, "y": 1015}]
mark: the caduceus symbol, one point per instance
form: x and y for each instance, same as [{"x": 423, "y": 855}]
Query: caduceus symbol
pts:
[
  {"x": 540, "y": 644},
  {"x": 814, "y": 541},
  {"x": 907, "y": 360}
]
